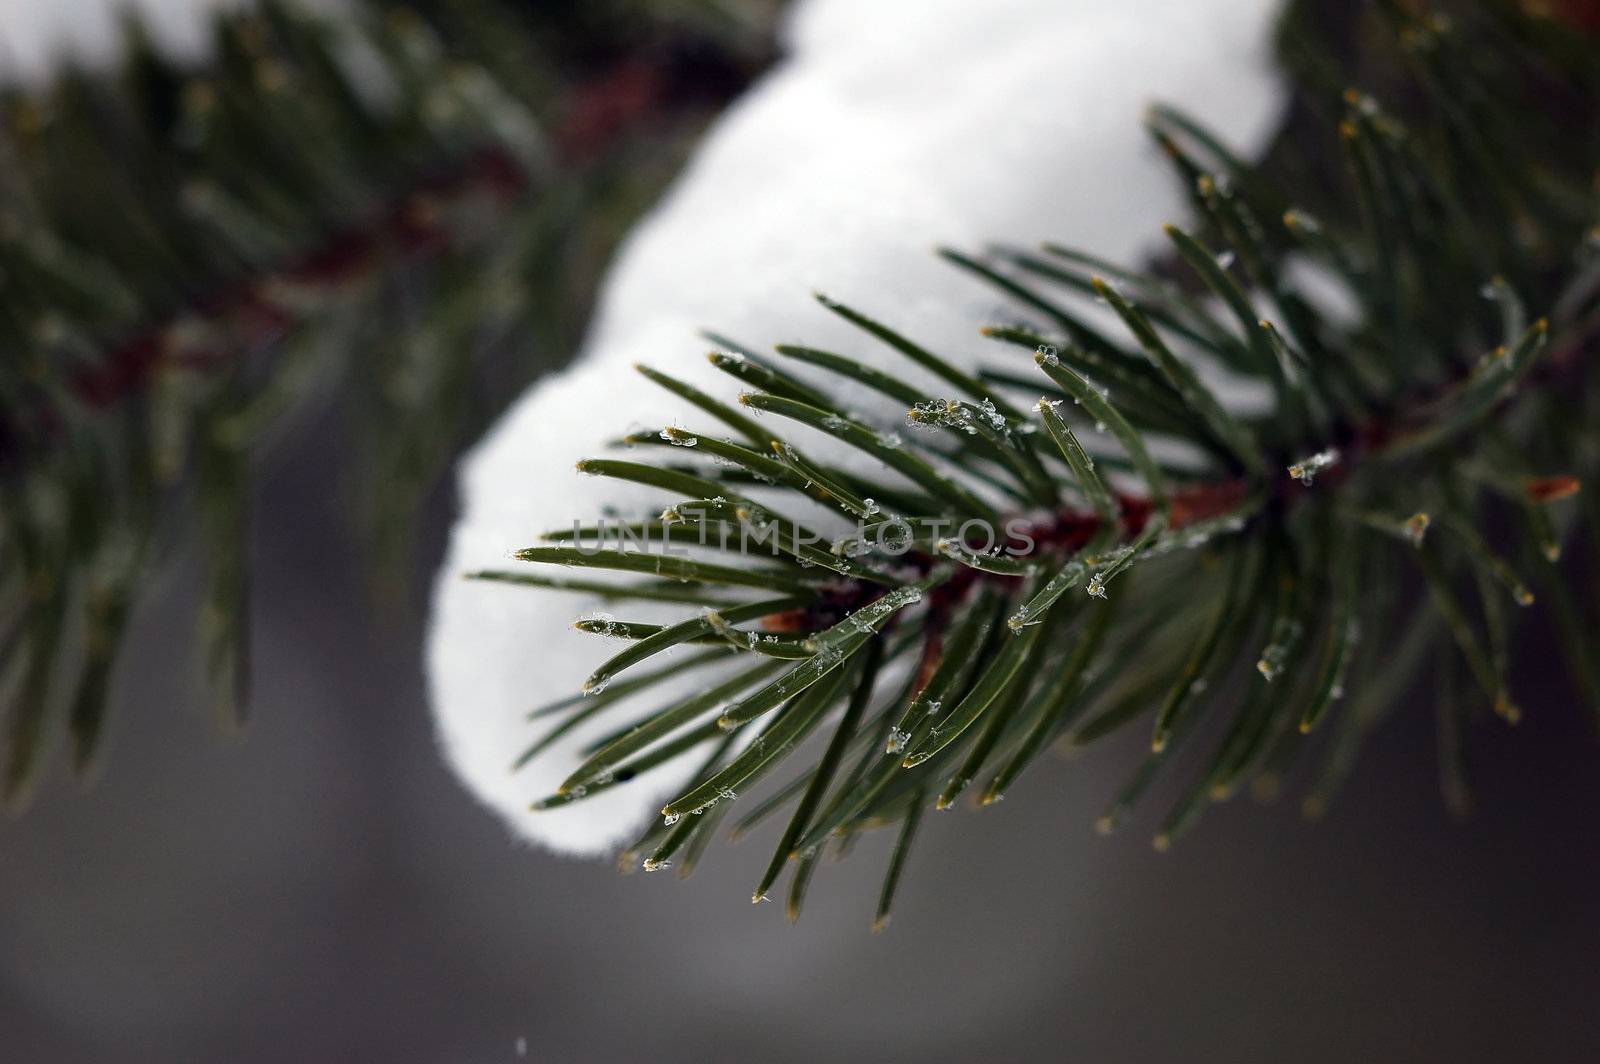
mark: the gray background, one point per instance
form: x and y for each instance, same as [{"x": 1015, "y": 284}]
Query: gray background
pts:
[{"x": 324, "y": 891}]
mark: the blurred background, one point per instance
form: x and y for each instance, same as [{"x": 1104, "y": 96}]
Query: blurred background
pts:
[{"x": 314, "y": 885}]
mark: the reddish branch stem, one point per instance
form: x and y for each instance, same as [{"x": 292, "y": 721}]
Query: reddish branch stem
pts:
[
  {"x": 596, "y": 115},
  {"x": 1060, "y": 534},
  {"x": 1070, "y": 529},
  {"x": 407, "y": 224}
]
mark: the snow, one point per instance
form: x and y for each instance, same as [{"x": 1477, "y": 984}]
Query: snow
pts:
[
  {"x": 891, "y": 127},
  {"x": 35, "y": 34}
]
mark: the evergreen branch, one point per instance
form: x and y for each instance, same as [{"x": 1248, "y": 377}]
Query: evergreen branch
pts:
[
  {"x": 1378, "y": 413},
  {"x": 192, "y": 253}
]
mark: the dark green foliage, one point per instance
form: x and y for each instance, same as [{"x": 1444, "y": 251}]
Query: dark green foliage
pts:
[
  {"x": 403, "y": 211},
  {"x": 1408, "y": 493}
]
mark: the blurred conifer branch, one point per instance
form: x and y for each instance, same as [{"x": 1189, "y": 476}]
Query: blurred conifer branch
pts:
[{"x": 403, "y": 209}]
